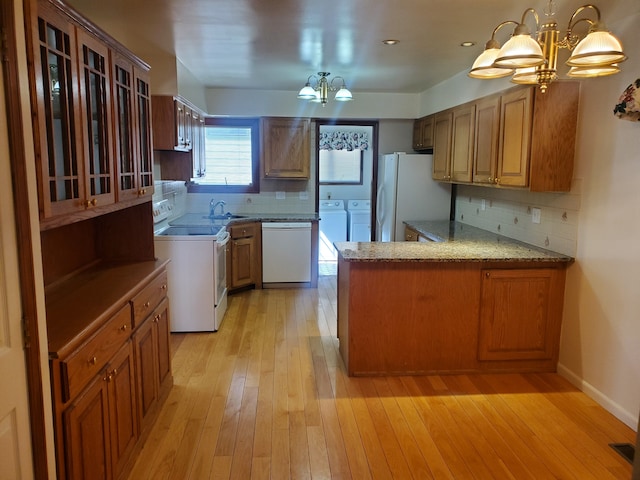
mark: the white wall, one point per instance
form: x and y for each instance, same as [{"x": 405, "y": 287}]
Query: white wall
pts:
[
  {"x": 600, "y": 344},
  {"x": 189, "y": 86},
  {"x": 256, "y": 103},
  {"x": 600, "y": 347}
]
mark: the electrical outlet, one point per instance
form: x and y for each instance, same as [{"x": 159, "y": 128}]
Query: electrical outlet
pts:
[
  {"x": 483, "y": 204},
  {"x": 536, "y": 213},
  {"x": 304, "y": 196},
  {"x": 280, "y": 196}
]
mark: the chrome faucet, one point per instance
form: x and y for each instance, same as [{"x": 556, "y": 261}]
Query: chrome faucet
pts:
[{"x": 213, "y": 205}]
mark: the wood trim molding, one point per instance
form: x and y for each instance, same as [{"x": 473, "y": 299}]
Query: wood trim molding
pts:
[{"x": 18, "y": 155}]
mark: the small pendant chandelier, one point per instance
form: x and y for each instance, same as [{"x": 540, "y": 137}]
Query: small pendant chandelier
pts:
[{"x": 319, "y": 91}]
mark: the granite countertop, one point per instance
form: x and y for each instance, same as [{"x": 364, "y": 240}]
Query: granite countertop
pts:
[{"x": 451, "y": 242}]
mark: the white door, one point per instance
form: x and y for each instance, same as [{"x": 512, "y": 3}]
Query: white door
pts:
[{"x": 15, "y": 440}]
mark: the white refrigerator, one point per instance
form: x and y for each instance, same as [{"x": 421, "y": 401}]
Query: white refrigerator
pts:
[{"x": 406, "y": 191}]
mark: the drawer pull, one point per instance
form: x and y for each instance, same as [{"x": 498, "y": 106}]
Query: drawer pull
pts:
[
  {"x": 92, "y": 361},
  {"x": 156, "y": 319},
  {"x": 146, "y": 304},
  {"x": 124, "y": 328},
  {"x": 163, "y": 287}
]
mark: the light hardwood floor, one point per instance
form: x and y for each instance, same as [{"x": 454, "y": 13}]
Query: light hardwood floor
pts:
[{"x": 267, "y": 397}]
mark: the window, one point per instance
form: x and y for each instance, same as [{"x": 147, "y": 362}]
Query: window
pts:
[
  {"x": 232, "y": 160},
  {"x": 340, "y": 167}
]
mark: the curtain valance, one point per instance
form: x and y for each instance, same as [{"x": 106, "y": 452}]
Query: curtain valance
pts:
[{"x": 344, "y": 140}]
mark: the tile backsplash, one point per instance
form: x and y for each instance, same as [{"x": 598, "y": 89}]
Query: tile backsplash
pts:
[
  {"x": 511, "y": 213},
  {"x": 265, "y": 202}
]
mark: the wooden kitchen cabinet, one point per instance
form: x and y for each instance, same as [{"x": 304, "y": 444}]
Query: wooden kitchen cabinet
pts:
[
  {"x": 423, "y": 133},
  {"x": 171, "y": 123},
  {"x": 410, "y": 235},
  {"x": 442, "y": 134},
  {"x": 178, "y": 137},
  {"x": 462, "y": 141},
  {"x": 77, "y": 117},
  {"x": 285, "y": 147},
  {"x": 515, "y": 138},
  {"x": 520, "y": 138},
  {"x": 505, "y": 319},
  {"x": 487, "y": 133},
  {"x": 132, "y": 104},
  {"x": 101, "y": 425},
  {"x": 58, "y": 139},
  {"x": 520, "y": 314},
  {"x": 153, "y": 360},
  {"x": 99, "y": 367},
  {"x": 96, "y": 118},
  {"x": 244, "y": 256},
  {"x": 538, "y": 136},
  {"x": 87, "y": 436}
]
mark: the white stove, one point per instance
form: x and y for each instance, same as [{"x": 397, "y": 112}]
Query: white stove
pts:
[{"x": 197, "y": 272}]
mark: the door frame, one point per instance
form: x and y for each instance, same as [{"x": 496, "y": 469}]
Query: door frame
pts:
[
  {"x": 18, "y": 154},
  {"x": 374, "y": 124}
]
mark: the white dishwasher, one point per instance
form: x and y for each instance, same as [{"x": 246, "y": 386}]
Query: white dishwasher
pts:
[{"x": 286, "y": 252}]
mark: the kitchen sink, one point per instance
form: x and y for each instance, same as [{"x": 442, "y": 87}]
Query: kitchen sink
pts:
[
  {"x": 226, "y": 216},
  {"x": 195, "y": 230}
]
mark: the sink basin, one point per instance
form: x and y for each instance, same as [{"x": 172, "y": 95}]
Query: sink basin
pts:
[
  {"x": 194, "y": 230},
  {"x": 226, "y": 216}
]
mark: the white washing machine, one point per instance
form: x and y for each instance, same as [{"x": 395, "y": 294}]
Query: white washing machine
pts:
[
  {"x": 333, "y": 228},
  {"x": 359, "y": 220}
]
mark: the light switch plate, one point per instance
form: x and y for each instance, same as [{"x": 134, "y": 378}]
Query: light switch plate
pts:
[{"x": 536, "y": 213}]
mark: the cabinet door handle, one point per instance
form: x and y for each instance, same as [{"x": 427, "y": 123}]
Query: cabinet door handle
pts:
[
  {"x": 92, "y": 361},
  {"x": 156, "y": 319},
  {"x": 123, "y": 328},
  {"x": 146, "y": 304},
  {"x": 163, "y": 287},
  {"x": 487, "y": 274}
]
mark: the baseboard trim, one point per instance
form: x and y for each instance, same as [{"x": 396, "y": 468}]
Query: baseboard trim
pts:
[{"x": 612, "y": 407}]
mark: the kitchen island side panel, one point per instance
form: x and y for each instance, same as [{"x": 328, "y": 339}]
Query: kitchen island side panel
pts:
[{"x": 410, "y": 318}]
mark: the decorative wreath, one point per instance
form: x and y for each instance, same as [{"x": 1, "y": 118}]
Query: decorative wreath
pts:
[{"x": 628, "y": 107}]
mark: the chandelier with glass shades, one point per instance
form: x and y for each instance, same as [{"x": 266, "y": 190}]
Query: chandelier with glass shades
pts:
[
  {"x": 534, "y": 61},
  {"x": 319, "y": 91}
]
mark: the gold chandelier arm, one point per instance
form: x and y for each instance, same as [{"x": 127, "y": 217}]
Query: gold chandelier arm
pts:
[
  {"x": 570, "y": 39},
  {"x": 506, "y": 22},
  {"x": 579, "y": 10},
  {"x": 535, "y": 15}
]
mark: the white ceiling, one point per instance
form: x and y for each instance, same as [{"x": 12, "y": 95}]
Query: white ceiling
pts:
[{"x": 277, "y": 44}]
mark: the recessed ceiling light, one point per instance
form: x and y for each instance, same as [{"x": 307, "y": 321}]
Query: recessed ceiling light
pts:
[
  {"x": 467, "y": 44},
  {"x": 391, "y": 41}
]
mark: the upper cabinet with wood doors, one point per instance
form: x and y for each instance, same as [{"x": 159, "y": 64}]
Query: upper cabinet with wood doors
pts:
[
  {"x": 442, "y": 130},
  {"x": 132, "y": 109},
  {"x": 487, "y": 133},
  {"x": 178, "y": 137},
  {"x": 285, "y": 147},
  {"x": 462, "y": 135},
  {"x": 85, "y": 154},
  {"x": 423, "y": 133},
  {"x": 520, "y": 138}
]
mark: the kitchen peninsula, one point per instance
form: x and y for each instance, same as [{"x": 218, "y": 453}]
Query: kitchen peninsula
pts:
[{"x": 467, "y": 301}]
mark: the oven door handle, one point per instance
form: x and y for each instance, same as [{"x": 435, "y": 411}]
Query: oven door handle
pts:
[{"x": 224, "y": 240}]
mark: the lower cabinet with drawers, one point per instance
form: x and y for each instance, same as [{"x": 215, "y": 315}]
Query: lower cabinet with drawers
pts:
[{"x": 110, "y": 365}]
